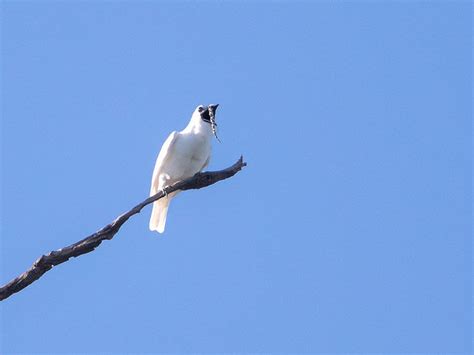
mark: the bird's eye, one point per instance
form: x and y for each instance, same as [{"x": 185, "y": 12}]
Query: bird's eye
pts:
[{"x": 200, "y": 108}]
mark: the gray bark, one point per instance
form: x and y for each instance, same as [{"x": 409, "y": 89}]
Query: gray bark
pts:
[{"x": 86, "y": 245}]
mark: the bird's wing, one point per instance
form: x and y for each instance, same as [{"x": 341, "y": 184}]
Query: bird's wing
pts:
[{"x": 165, "y": 153}]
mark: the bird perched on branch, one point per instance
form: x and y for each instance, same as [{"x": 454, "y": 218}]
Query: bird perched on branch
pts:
[{"x": 183, "y": 154}]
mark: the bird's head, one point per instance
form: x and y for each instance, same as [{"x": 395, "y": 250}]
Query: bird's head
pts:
[{"x": 208, "y": 115}]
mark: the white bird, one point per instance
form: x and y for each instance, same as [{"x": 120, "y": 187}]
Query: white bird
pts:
[{"x": 183, "y": 154}]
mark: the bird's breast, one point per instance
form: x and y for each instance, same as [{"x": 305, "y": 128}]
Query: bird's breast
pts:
[{"x": 192, "y": 152}]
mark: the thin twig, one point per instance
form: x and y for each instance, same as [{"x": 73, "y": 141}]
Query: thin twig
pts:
[{"x": 86, "y": 245}]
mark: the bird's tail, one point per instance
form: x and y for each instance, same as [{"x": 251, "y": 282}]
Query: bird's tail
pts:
[{"x": 159, "y": 213}]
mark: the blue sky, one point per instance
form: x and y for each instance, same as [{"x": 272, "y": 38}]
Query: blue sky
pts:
[{"x": 349, "y": 231}]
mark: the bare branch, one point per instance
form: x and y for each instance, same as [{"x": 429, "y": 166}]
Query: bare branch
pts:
[{"x": 86, "y": 245}]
